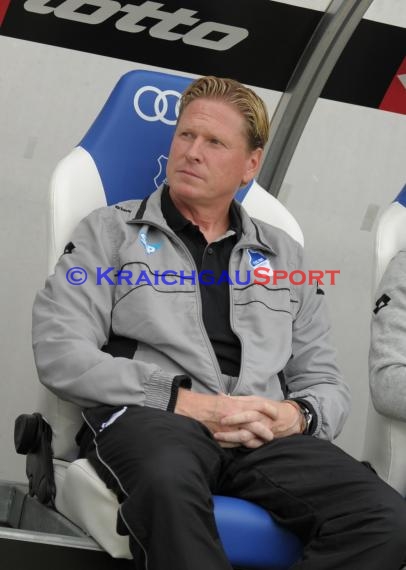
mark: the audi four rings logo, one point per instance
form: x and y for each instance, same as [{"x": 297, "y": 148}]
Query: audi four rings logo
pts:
[
  {"x": 134, "y": 17},
  {"x": 161, "y": 105}
]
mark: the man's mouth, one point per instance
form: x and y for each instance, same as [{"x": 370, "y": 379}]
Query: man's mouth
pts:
[{"x": 190, "y": 173}]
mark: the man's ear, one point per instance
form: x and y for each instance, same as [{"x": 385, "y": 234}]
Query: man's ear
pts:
[{"x": 252, "y": 165}]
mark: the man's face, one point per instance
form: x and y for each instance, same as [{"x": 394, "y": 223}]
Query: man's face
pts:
[{"x": 209, "y": 157}]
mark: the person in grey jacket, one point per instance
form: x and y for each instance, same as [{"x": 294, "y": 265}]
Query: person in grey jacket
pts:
[
  {"x": 192, "y": 385},
  {"x": 387, "y": 356}
]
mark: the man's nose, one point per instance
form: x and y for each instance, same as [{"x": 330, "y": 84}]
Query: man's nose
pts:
[{"x": 194, "y": 150}]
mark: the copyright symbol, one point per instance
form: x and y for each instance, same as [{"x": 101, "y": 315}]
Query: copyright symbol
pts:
[{"x": 76, "y": 276}]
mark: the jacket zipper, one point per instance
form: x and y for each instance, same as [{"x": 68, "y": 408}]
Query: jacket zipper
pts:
[
  {"x": 236, "y": 248},
  {"x": 198, "y": 295}
]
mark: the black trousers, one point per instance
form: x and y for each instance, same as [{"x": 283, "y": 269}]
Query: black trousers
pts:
[{"x": 165, "y": 467}]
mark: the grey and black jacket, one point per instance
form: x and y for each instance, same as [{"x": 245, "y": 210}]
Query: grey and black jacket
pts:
[
  {"x": 387, "y": 355},
  {"x": 280, "y": 327}
]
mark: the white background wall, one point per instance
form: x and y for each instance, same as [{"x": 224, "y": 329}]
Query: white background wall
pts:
[
  {"x": 349, "y": 164},
  {"x": 348, "y": 159}
]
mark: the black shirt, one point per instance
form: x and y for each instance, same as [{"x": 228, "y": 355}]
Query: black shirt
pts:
[{"x": 213, "y": 258}]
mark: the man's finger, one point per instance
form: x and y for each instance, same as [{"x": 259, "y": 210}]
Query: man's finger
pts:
[
  {"x": 262, "y": 405},
  {"x": 254, "y": 443},
  {"x": 271, "y": 411},
  {"x": 241, "y": 418},
  {"x": 260, "y": 430},
  {"x": 238, "y": 436}
]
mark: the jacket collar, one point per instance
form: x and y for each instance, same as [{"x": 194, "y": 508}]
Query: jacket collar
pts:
[{"x": 149, "y": 211}]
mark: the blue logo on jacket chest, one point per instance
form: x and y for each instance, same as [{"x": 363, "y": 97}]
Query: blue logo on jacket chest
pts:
[
  {"x": 256, "y": 258},
  {"x": 149, "y": 247}
]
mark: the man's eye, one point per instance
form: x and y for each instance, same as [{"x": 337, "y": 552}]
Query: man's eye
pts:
[{"x": 215, "y": 142}]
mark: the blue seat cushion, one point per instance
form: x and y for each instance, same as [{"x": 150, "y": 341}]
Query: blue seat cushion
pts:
[{"x": 251, "y": 537}]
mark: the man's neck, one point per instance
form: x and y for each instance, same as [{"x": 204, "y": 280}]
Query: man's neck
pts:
[{"x": 212, "y": 220}]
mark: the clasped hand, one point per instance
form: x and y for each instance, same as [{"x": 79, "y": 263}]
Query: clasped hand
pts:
[
  {"x": 250, "y": 421},
  {"x": 260, "y": 421}
]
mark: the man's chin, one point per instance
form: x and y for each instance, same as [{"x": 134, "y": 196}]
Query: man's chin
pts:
[{"x": 185, "y": 190}]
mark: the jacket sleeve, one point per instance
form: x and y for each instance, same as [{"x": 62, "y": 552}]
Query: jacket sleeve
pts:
[
  {"x": 387, "y": 355},
  {"x": 312, "y": 374},
  {"x": 71, "y": 323}
]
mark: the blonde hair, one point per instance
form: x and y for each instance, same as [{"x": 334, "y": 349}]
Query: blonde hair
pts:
[{"x": 248, "y": 103}]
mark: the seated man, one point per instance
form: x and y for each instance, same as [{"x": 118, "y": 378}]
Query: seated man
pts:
[
  {"x": 212, "y": 386},
  {"x": 387, "y": 356}
]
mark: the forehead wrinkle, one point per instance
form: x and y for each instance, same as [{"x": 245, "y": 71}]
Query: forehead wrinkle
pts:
[{"x": 205, "y": 116}]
